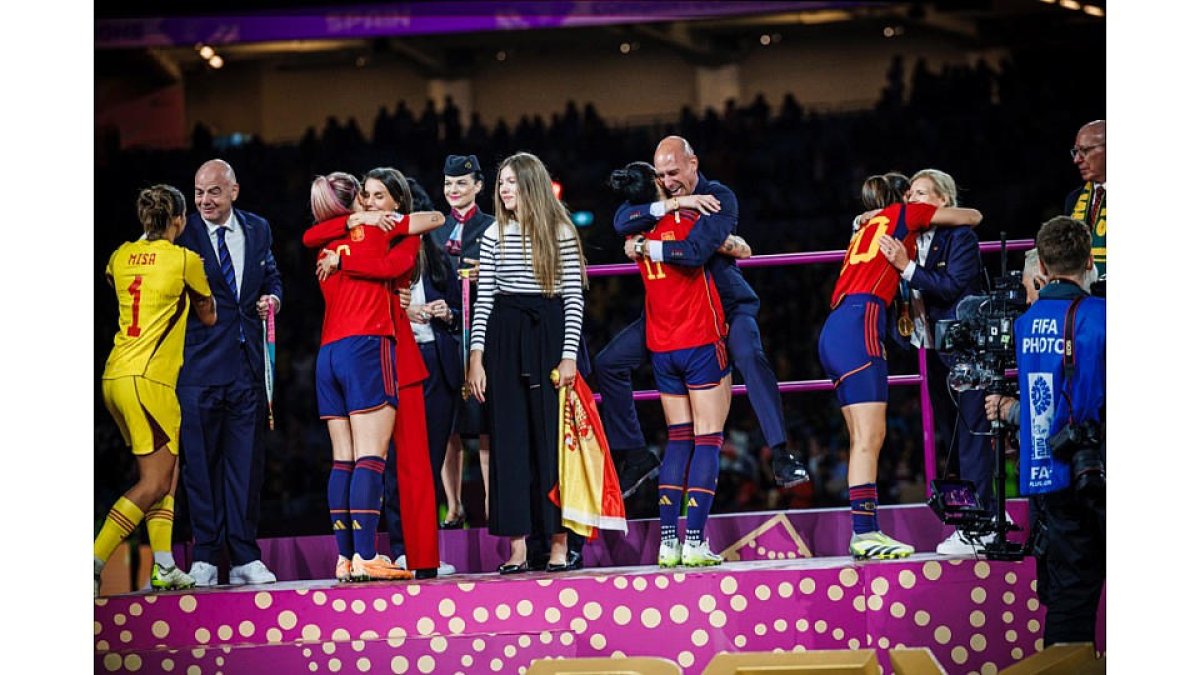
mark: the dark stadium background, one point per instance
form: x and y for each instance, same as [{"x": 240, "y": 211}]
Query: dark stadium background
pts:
[{"x": 996, "y": 104}]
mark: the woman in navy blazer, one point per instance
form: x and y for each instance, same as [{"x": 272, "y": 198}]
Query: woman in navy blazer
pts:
[{"x": 950, "y": 270}]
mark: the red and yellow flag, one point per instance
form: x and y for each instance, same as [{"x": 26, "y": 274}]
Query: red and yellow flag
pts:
[{"x": 587, "y": 480}]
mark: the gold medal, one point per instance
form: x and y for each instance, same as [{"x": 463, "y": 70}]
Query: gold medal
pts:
[{"x": 904, "y": 324}]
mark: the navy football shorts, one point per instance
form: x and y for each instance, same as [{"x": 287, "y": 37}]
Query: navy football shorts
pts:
[
  {"x": 851, "y": 349},
  {"x": 356, "y": 374},
  {"x": 677, "y": 371}
]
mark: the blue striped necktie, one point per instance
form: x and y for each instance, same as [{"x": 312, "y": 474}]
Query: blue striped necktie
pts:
[{"x": 227, "y": 271}]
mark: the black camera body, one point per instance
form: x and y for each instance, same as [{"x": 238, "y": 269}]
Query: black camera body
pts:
[
  {"x": 982, "y": 337},
  {"x": 1081, "y": 447},
  {"x": 982, "y": 341}
]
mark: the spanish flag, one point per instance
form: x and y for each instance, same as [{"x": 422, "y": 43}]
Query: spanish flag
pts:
[{"x": 587, "y": 480}]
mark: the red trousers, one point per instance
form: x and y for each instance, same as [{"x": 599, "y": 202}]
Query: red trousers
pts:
[{"x": 418, "y": 503}]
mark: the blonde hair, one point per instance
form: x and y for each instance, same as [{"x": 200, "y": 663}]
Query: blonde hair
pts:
[
  {"x": 542, "y": 216},
  {"x": 333, "y": 195},
  {"x": 943, "y": 184}
]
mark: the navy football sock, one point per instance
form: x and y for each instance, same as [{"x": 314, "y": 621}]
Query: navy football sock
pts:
[
  {"x": 339, "y": 507},
  {"x": 863, "y": 500},
  {"x": 670, "y": 478},
  {"x": 702, "y": 483},
  {"x": 366, "y": 488}
]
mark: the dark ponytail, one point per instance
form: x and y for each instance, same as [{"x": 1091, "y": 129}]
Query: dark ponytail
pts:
[
  {"x": 880, "y": 192},
  {"x": 431, "y": 255},
  {"x": 156, "y": 206},
  {"x": 635, "y": 183}
]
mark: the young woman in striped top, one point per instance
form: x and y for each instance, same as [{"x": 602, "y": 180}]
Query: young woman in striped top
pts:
[{"x": 527, "y": 322}]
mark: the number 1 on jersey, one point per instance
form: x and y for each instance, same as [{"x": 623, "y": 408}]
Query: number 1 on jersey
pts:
[{"x": 135, "y": 290}]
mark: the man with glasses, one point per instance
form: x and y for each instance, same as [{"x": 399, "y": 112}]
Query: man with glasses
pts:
[{"x": 1087, "y": 203}]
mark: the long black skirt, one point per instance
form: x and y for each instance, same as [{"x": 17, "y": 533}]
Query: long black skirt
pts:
[{"x": 524, "y": 343}]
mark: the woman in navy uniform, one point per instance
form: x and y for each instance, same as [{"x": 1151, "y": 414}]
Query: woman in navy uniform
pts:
[{"x": 459, "y": 237}]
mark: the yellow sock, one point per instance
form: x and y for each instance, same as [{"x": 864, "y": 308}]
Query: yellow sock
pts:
[
  {"x": 122, "y": 519},
  {"x": 159, "y": 521}
]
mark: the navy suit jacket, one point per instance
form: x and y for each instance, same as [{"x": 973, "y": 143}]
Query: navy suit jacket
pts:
[
  {"x": 212, "y": 355},
  {"x": 446, "y": 336},
  {"x": 951, "y": 271},
  {"x": 701, "y": 244}
]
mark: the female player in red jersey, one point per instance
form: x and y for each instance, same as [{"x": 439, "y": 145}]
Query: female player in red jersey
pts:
[
  {"x": 357, "y": 364},
  {"x": 851, "y": 343},
  {"x": 685, "y": 334},
  {"x": 385, "y": 190}
]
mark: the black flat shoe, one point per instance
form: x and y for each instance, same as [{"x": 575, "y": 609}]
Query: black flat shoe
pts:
[
  {"x": 574, "y": 561},
  {"x": 508, "y": 568},
  {"x": 453, "y": 524},
  {"x": 428, "y": 573}
]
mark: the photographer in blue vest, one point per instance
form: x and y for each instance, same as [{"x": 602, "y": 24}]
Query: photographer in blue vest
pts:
[{"x": 1060, "y": 344}]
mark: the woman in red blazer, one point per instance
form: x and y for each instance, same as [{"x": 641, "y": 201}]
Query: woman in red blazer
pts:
[{"x": 384, "y": 202}]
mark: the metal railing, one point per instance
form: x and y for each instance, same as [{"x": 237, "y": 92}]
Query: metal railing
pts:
[{"x": 812, "y": 257}]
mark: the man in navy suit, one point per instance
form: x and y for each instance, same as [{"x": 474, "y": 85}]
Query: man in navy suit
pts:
[
  {"x": 947, "y": 269},
  {"x": 221, "y": 390},
  {"x": 678, "y": 172}
]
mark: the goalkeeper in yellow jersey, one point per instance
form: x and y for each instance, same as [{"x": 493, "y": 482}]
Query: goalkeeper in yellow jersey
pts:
[{"x": 155, "y": 281}]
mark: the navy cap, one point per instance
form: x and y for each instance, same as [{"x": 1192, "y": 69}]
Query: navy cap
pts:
[{"x": 459, "y": 165}]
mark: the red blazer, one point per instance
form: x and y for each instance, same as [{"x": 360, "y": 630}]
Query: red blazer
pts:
[{"x": 396, "y": 269}]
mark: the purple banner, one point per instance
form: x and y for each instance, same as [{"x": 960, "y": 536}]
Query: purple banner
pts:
[{"x": 407, "y": 19}]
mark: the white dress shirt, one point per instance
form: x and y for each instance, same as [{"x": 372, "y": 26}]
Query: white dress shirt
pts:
[
  {"x": 423, "y": 332},
  {"x": 235, "y": 241},
  {"x": 920, "y": 336}
]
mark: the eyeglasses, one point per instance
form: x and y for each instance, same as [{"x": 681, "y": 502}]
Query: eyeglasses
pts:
[{"x": 1077, "y": 151}]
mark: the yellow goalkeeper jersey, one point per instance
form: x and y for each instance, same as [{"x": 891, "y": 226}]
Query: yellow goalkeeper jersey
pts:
[{"x": 151, "y": 279}]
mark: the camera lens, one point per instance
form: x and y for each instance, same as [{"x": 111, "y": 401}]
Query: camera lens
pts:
[
  {"x": 1087, "y": 467},
  {"x": 963, "y": 377}
]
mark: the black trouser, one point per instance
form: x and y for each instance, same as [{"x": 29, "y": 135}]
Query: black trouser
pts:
[
  {"x": 524, "y": 343},
  {"x": 970, "y": 454},
  {"x": 1071, "y": 568}
]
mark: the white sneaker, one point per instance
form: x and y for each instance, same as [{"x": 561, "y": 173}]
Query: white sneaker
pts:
[
  {"x": 444, "y": 568},
  {"x": 253, "y": 572},
  {"x": 203, "y": 573},
  {"x": 957, "y": 544},
  {"x": 169, "y": 579},
  {"x": 670, "y": 552},
  {"x": 699, "y": 555}
]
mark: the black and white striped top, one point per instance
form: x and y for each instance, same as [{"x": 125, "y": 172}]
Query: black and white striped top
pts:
[{"x": 508, "y": 270}]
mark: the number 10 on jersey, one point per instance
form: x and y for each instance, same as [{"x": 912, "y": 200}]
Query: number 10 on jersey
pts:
[{"x": 864, "y": 245}]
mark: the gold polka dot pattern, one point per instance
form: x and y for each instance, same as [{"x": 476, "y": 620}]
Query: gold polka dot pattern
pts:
[{"x": 503, "y": 625}]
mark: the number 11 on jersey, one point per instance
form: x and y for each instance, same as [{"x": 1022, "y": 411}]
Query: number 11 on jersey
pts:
[{"x": 651, "y": 275}]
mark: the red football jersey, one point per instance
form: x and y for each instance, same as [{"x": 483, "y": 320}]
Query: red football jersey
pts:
[
  {"x": 683, "y": 309},
  {"x": 864, "y": 270},
  {"x": 356, "y": 306}
]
